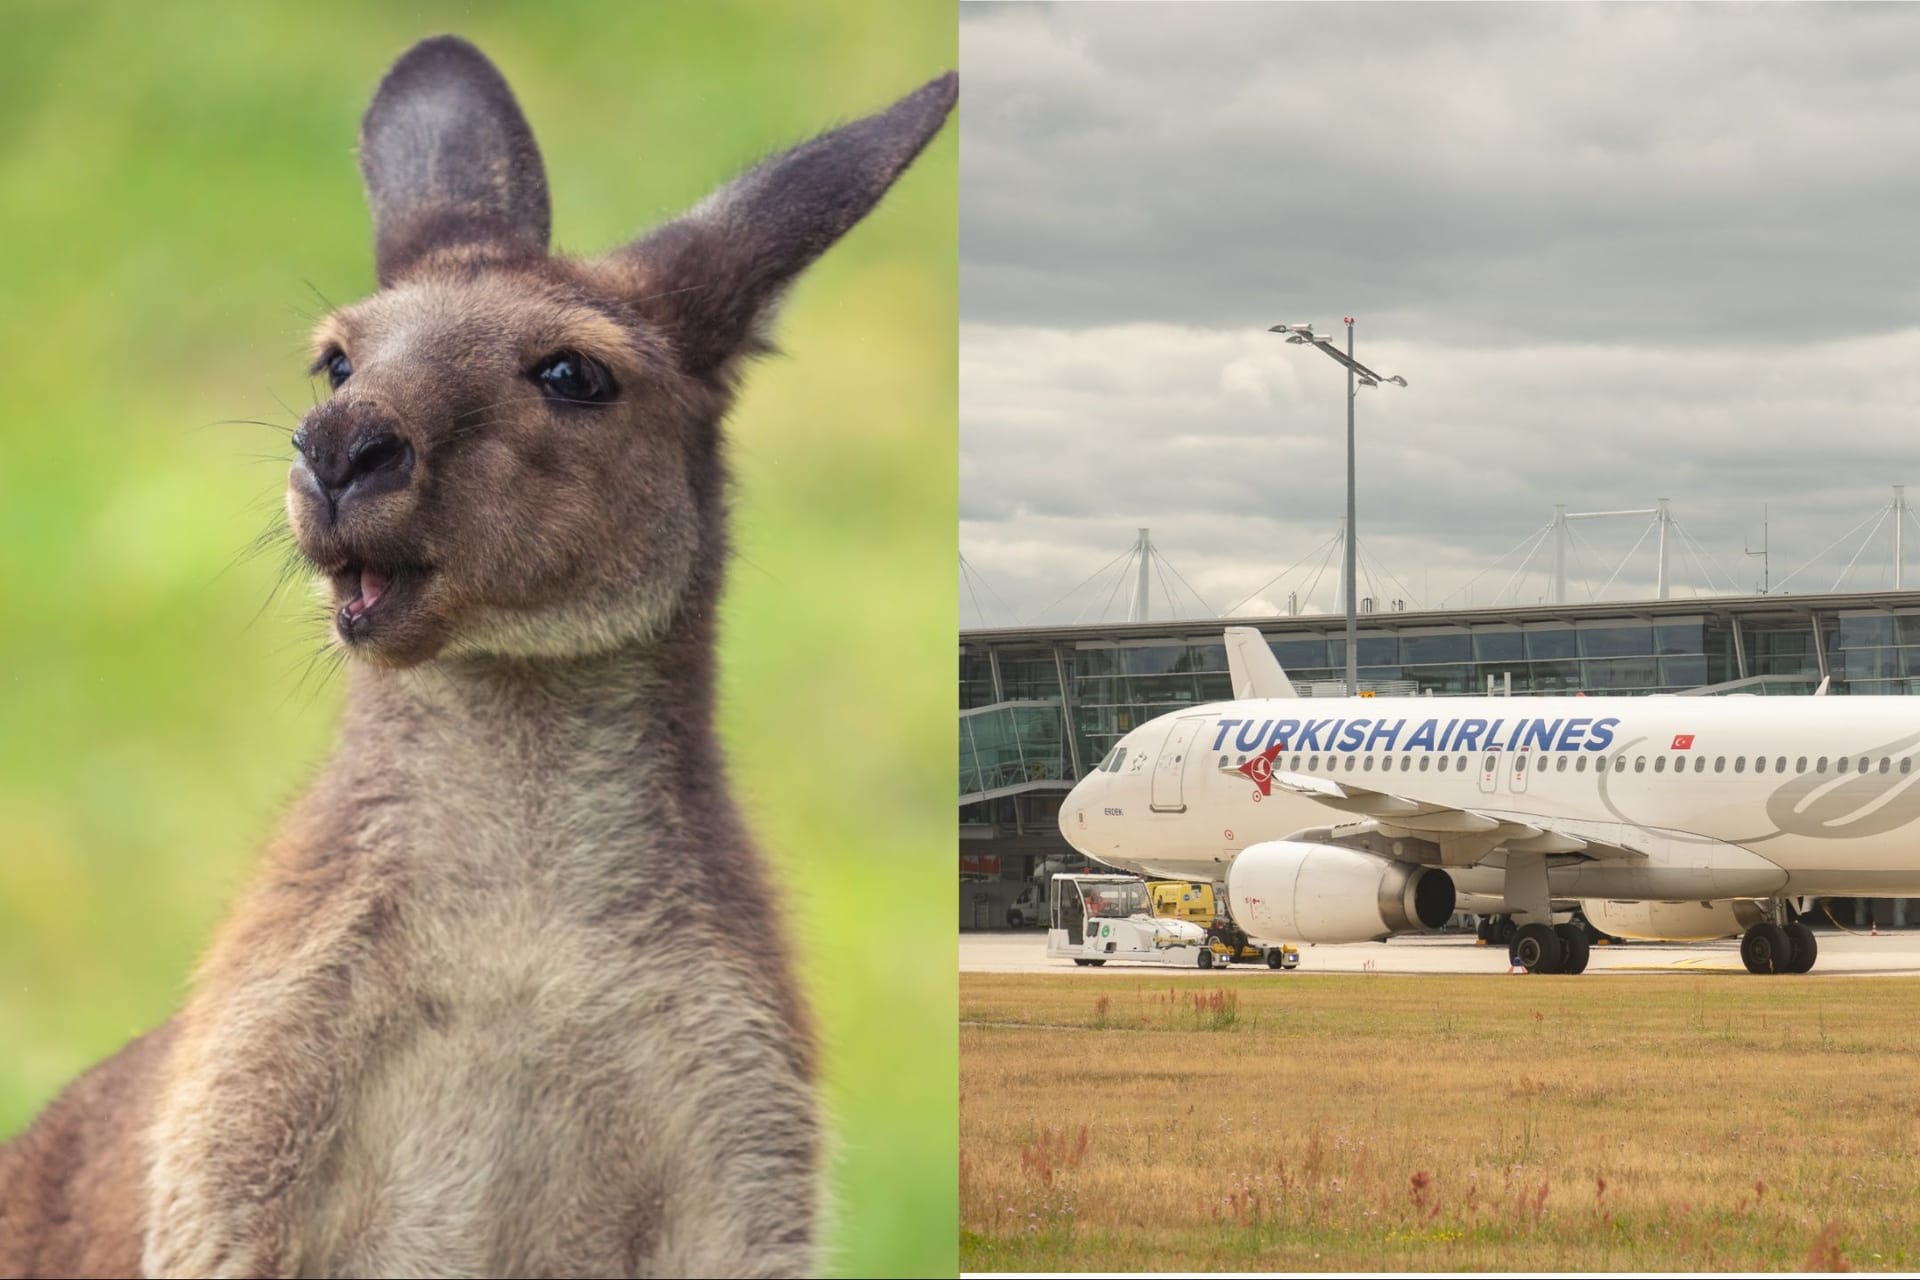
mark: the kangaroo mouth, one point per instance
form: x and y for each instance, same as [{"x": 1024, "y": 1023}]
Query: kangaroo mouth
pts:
[{"x": 371, "y": 596}]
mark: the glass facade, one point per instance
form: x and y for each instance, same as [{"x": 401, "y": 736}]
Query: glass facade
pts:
[
  {"x": 1011, "y": 746},
  {"x": 1879, "y": 652}
]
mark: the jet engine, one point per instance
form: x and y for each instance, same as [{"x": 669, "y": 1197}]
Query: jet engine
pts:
[
  {"x": 1296, "y": 891},
  {"x": 1672, "y": 921}
]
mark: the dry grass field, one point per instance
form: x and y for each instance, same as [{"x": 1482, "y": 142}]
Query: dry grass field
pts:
[{"x": 1439, "y": 1123}]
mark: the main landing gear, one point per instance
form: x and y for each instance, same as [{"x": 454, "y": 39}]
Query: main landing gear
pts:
[
  {"x": 1780, "y": 945},
  {"x": 1500, "y": 931},
  {"x": 1560, "y": 948}
]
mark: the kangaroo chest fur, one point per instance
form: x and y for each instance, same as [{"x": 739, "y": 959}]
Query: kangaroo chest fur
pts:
[
  {"x": 510, "y": 1114},
  {"x": 512, "y": 1067},
  {"x": 545, "y": 1054}
]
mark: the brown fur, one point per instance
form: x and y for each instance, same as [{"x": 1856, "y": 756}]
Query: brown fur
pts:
[{"x": 511, "y": 995}]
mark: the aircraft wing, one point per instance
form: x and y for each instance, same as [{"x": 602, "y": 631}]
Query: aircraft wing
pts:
[{"x": 1472, "y": 833}]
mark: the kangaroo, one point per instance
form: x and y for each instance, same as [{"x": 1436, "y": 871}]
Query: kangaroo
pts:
[{"x": 453, "y": 1028}]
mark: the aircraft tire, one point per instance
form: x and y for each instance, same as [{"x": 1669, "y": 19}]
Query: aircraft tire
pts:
[
  {"x": 1504, "y": 930},
  {"x": 1538, "y": 947},
  {"x": 1804, "y": 949},
  {"x": 1575, "y": 950},
  {"x": 1766, "y": 949}
]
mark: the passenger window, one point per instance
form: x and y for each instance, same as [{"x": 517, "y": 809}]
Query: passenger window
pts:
[
  {"x": 1296, "y": 759},
  {"x": 1561, "y": 765},
  {"x": 1639, "y": 764},
  {"x": 1580, "y": 764},
  {"x": 1820, "y": 765},
  {"x": 1839, "y": 764},
  {"x": 1906, "y": 762},
  {"x": 1519, "y": 762},
  {"x": 1619, "y": 764},
  {"x": 1759, "y": 764},
  {"x": 1739, "y": 764},
  {"x": 1350, "y": 758},
  {"x": 1443, "y": 764},
  {"x": 1659, "y": 764},
  {"x": 1461, "y": 763},
  {"x": 1423, "y": 764},
  {"x": 1313, "y": 763},
  {"x": 1864, "y": 762},
  {"x": 1780, "y": 765},
  {"x": 1699, "y": 764},
  {"x": 1406, "y": 763},
  {"x": 1719, "y": 764},
  {"x": 1368, "y": 766},
  {"x": 1800, "y": 765},
  {"x": 1886, "y": 762}
]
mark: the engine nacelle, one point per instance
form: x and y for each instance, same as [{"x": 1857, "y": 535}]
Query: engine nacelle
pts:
[
  {"x": 1294, "y": 891},
  {"x": 1672, "y": 921}
]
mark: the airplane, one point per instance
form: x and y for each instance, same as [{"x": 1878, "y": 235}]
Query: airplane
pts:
[{"x": 1675, "y": 818}]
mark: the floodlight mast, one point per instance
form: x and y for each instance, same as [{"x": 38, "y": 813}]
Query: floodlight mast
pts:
[{"x": 1358, "y": 375}]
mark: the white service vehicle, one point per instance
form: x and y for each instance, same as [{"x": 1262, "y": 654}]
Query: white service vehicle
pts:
[{"x": 1096, "y": 918}]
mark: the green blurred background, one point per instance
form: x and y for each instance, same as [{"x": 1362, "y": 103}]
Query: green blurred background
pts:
[{"x": 177, "y": 189}]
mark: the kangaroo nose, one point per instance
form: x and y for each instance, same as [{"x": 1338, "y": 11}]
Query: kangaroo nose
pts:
[{"x": 375, "y": 461}]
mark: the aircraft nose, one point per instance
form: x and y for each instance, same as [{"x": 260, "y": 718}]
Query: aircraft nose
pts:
[{"x": 1077, "y": 812}]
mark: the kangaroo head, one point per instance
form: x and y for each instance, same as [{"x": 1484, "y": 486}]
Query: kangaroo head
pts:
[{"x": 520, "y": 454}]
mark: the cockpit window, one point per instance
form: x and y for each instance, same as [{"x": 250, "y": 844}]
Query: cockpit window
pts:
[{"x": 1114, "y": 761}]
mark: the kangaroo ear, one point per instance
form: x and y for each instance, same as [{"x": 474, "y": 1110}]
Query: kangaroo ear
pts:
[
  {"x": 714, "y": 276},
  {"x": 448, "y": 159}
]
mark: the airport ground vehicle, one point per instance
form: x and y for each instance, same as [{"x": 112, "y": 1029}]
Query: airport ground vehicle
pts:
[
  {"x": 1182, "y": 900},
  {"x": 1195, "y": 900},
  {"x": 1231, "y": 945},
  {"x": 1096, "y": 918}
]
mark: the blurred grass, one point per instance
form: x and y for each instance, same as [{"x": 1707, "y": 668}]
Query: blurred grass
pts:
[{"x": 177, "y": 196}]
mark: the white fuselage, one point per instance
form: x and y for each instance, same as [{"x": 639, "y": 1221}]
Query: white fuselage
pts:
[{"x": 1759, "y": 796}]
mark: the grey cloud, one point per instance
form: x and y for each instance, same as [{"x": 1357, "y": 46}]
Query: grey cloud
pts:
[
  {"x": 1620, "y": 252},
  {"x": 1502, "y": 173}
]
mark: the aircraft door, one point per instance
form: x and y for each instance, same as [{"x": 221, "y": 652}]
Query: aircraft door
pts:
[
  {"x": 1517, "y": 776},
  {"x": 1069, "y": 911},
  {"x": 1170, "y": 767},
  {"x": 1489, "y": 771}
]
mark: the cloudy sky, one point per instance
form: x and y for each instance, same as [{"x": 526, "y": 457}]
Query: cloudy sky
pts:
[{"x": 1619, "y": 252}]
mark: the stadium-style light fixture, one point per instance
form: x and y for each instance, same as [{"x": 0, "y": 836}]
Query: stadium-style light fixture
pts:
[{"x": 1358, "y": 375}]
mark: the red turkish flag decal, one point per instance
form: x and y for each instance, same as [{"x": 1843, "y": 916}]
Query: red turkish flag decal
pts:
[
  {"x": 1260, "y": 768},
  {"x": 1683, "y": 742}
]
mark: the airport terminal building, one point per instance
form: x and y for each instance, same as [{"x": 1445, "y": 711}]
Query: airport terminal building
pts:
[{"x": 1041, "y": 705}]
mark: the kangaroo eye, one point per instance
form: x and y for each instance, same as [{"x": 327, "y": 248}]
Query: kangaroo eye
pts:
[
  {"x": 571, "y": 378},
  {"x": 336, "y": 366}
]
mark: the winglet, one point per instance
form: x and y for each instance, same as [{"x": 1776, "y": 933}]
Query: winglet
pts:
[{"x": 1256, "y": 672}]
